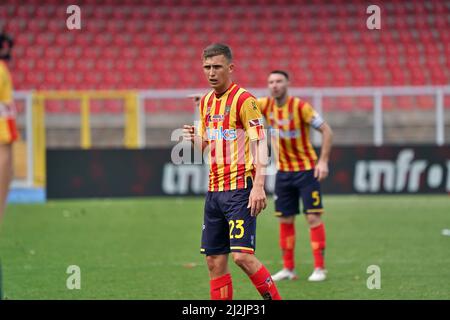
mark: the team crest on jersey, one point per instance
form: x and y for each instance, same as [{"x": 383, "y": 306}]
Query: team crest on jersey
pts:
[{"x": 227, "y": 109}]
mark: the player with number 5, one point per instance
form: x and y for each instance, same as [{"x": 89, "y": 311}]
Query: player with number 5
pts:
[{"x": 299, "y": 172}]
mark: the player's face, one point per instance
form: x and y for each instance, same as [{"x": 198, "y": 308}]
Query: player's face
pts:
[
  {"x": 278, "y": 85},
  {"x": 218, "y": 71}
]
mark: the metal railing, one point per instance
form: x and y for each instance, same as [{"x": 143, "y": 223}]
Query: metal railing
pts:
[{"x": 317, "y": 94}]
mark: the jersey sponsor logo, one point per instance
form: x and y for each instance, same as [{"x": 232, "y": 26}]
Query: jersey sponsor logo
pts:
[
  {"x": 288, "y": 134},
  {"x": 284, "y": 122},
  {"x": 221, "y": 134},
  {"x": 215, "y": 118},
  {"x": 255, "y": 122}
]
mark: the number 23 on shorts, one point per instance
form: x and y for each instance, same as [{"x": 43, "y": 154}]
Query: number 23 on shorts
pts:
[{"x": 236, "y": 225}]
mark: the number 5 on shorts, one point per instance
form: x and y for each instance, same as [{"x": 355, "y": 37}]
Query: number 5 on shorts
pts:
[
  {"x": 239, "y": 226},
  {"x": 316, "y": 196}
]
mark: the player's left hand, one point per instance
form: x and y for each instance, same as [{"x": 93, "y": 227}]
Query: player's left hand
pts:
[
  {"x": 321, "y": 170},
  {"x": 257, "y": 200}
]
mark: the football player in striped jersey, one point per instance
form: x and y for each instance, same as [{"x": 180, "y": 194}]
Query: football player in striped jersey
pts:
[
  {"x": 300, "y": 171},
  {"x": 231, "y": 127}
]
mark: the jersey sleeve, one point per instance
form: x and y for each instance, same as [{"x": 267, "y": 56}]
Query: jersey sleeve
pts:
[
  {"x": 310, "y": 116},
  {"x": 262, "y": 104},
  {"x": 5, "y": 86},
  {"x": 252, "y": 119}
]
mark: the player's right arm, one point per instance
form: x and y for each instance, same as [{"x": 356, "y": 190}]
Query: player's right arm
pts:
[{"x": 197, "y": 138}]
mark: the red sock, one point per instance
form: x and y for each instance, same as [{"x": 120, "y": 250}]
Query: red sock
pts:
[
  {"x": 221, "y": 288},
  {"x": 265, "y": 285},
  {"x": 287, "y": 244},
  {"x": 318, "y": 245}
]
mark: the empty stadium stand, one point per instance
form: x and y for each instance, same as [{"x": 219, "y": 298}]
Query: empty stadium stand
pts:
[{"x": 157, "y": 44}]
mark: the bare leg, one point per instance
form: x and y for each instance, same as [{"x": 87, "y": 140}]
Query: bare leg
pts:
[
  {"x": 258, "y": 274},
  {"x": 313, "y": 219},
  {"x": 6, "y": 173},
  {"x": 217, "y": 265},
  {"x": 247, "y": 262},
  {"x": 221, "y": 285}
]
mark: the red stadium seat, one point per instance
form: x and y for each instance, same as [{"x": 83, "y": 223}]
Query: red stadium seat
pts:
[
  {"x": 72, "y": 80},
  {"x": 114, "y": 106},
  {"x": 426, "y": 102},
  {"x": 71, "y": 106},
  {"x": 364, "y": 103},
  {"x": 52, "y": 106},
  {"x": 405, "y": 102}
]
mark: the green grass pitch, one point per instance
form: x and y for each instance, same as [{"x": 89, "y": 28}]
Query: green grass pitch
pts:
[{"x": 149, "y": 249}]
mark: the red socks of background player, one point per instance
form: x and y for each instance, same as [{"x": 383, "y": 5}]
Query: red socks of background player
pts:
[
  {"x": 287, "y": 244},
  {"x": 221, "y": 288},
  {"x": 317, "y": 235},
  {"x": 264, "y": 284}
]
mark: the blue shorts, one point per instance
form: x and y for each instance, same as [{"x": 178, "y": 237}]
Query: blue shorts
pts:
[
  {"x": 228, "y": 225},
  {"x": 290, "y": 186}
]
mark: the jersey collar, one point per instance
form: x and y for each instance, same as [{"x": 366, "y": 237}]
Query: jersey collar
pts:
[
  {"x": 285, "y": 104},
  {"x": 218, "y": 96}
]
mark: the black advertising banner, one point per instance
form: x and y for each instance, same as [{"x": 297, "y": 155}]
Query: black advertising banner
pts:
[
  {"x": 372, "y": 170},
  {"x": 158, "y": 172},
  {"x": 105, "y": 173}
]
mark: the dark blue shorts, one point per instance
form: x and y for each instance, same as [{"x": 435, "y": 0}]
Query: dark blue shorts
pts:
[
  {"x": 228, "y": 225},
  {"x": 290, "y": 186}
]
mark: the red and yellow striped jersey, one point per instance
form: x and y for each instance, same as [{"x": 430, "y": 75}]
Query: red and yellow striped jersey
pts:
[
  {"x": 6, "y": 87},
  {"x": 8, "y": 129},
  {"x": 228, "y": 123},
  {"x": 290, "y": 137}
]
